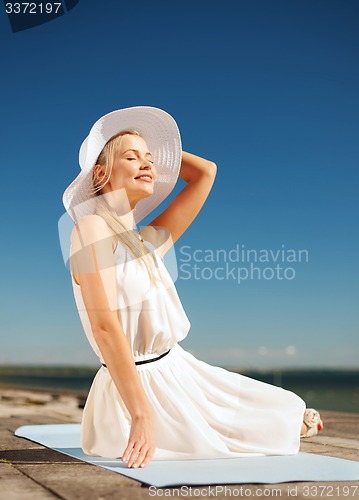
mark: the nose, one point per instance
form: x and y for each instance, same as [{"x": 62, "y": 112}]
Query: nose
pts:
[{"x": 146, "y": 163}]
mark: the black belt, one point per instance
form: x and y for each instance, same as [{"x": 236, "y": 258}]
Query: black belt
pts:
[{"x": 146, "y": 360}]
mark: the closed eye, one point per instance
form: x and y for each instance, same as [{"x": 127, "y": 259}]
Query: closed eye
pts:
[{"x": 136, "y": 159}]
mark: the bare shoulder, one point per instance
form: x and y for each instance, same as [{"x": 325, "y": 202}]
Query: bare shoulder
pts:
[{"x": 88, "y": 230}]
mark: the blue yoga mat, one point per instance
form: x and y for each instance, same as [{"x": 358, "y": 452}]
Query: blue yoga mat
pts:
[{"x": 65, "y": 438}]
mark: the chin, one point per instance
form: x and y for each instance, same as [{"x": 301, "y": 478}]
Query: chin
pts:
[{"x": 145, "y": 194}]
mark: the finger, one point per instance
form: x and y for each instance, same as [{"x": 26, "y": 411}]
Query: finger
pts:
[
  {"x": 138, "y": 461},
  {"x": 127, "y": 451},
  {"x": 133, "y": 456},
  {"x": 148, "y": 457}
]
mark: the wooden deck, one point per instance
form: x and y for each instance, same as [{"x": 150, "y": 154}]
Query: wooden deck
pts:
[{"x": 31, "y": 471}]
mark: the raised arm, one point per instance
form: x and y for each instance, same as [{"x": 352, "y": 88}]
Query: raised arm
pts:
[
  {"x": 199, "y": 174},
  {"x": 93, "y": 262}
]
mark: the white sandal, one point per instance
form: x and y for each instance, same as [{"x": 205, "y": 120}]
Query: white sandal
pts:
[{"x": 313, "y": 421}]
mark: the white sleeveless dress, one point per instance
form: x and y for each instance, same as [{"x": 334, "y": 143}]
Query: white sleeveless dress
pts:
[{"x": 201, "y": 411}]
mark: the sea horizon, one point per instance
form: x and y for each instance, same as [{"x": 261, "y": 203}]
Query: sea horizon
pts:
[
  {"x": 334, "y": 389},
  {"x": 91, "y": 367}
]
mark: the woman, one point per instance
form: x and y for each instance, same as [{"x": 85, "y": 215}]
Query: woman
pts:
[{"x": 151, "y": 398}]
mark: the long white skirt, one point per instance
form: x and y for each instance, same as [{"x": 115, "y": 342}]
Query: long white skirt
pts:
[{"x": 201, "y": 412}]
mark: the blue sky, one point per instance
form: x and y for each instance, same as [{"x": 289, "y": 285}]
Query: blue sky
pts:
[{"x": 269, "y": 90}]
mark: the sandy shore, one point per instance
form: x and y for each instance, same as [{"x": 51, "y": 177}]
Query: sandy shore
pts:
[{"x": 20, "y": 401}]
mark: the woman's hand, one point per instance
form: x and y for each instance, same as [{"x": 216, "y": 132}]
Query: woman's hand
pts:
[{"x": 141, "y": 442}]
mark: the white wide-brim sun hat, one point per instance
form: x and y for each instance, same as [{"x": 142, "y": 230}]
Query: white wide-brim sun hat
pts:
[{"x": 162, "y": 136}]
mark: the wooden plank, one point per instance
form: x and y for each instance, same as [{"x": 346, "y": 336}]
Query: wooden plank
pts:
[
  {"x": 32, "y": 469},
  {"x": 51, "y": 471},
  {"x": 15, "y": 485}
]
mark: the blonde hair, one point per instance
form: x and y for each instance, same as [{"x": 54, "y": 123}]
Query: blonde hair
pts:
[{"x": 128, "y": 239}]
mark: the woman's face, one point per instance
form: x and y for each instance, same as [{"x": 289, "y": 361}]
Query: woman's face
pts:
[{"x": 133, "y": 170}]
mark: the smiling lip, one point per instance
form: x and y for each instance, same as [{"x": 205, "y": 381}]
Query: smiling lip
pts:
[{"x": 146, "y": 178}]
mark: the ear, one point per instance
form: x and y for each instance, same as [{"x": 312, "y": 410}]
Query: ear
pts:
[{"x": 98, "y": 172}]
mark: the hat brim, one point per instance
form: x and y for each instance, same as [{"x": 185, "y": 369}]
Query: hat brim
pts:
[{"x": 162, "y": 136}]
